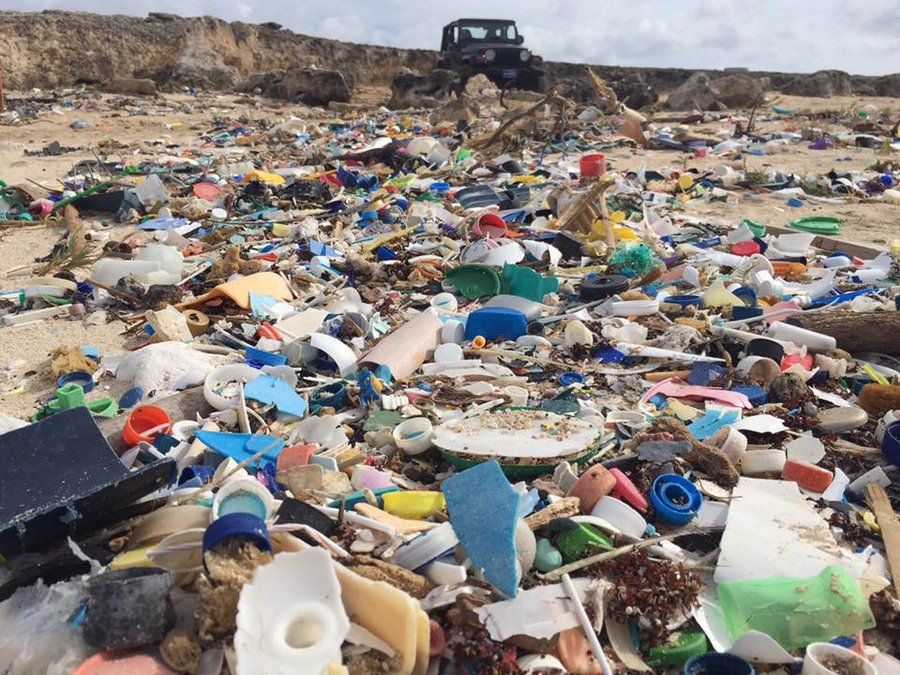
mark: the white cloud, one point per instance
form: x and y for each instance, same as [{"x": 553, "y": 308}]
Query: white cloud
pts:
[{"x": 804, "y": 35}]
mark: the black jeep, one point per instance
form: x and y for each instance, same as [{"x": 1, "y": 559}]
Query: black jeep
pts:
[{"x": 493, "y": 47}]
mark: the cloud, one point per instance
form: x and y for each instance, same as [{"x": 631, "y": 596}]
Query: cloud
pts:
[{"x": 801, "y": 36}]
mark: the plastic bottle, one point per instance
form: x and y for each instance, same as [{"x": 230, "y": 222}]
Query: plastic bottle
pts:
[
  {"x": 797, "y": 612},
  {"x": 802, "y": 337}
]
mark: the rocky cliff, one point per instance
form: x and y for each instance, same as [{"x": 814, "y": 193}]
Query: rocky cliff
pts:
[{"x": 54, "y": 48}]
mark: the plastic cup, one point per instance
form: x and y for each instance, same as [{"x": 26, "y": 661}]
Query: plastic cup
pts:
[
  {"x": 144, "y": 423},
  {"x": 592, "y": 166},
  {"x": 819, "y": 652},
  {"x": 490, "y": 225}
]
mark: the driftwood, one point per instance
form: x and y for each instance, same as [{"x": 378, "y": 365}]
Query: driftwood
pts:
[{"x": 857, "y": 332}]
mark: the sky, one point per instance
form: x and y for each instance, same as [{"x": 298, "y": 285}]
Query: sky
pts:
[{"x": 859, "y": 36}]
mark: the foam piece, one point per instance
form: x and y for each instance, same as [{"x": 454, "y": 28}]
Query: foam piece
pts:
[{"x": 483, "y": 510}]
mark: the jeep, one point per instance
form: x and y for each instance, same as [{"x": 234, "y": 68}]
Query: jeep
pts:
[{"x": 493, "y": 47}]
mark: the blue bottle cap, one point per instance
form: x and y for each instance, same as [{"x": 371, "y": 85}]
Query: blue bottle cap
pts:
[
  {"x": 237, "y": 525},
  {"x": 748, "y": 295},
  {"x": 675, "y": 499}
]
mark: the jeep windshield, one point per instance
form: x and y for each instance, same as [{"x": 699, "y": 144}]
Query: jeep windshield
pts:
[{"x": 487, "y": 31}]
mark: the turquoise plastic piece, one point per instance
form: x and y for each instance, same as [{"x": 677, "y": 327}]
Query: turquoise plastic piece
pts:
[
  {"x": 483, "y": 510},
  {"x": 241, "y": 446},
  {"x": 526, "y": 283}
]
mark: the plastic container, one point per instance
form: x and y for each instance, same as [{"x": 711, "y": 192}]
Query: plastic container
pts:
[
  {"x": 220, "y": 386},
  {"x": 108, "y": 271},
  {"x": 414, "y": 435},
  {"x": 891, "y": 197},
  {"x": 495, "y": 323},
  {"x": 168, "y": 257},
  {"x": 890, "y": 443},
  {"x": 490, "y": 225},
  {"x": 802, "y": 337},
  {"x": 620, "y": 516},
  {"x": 246, "y": 495},
  {"x": 762, "y": 461},
  {"x": 144, "y": 423},
  {"x": 820, "y": 653},
  {"x": 796, "y": 612},
  {"x": 592, "y": 166}
]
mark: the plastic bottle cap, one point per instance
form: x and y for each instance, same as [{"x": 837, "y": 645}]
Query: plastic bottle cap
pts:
[
  {"x": 675, "y": 499},
  {"x": 237, "y": 525}
]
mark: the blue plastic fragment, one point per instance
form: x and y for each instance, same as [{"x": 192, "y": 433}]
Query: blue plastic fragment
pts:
[
  {"x": 268, "y": 389},
  {"x": 710, "y": 423},
  {"x": 131, "y": 398},
  {"x": 483, "y": 510},
  {"x": 703, "y": 374},
  {"x": 261, "y": 304},
  {"x": 241, "y": 446},
  {"x": 568, "y": 379},
  {"x": 757, "y": 395},
  {"x": 258, "y": 356}
]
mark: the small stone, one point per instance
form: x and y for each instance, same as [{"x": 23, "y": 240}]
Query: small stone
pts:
[
  {"x": 546, "y": 557},
  {"x": 842, "y": 419},
  {"x": 789, "y": 389}
]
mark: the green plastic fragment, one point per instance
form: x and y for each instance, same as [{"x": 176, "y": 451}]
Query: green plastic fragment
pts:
[
  {"x": 475, "y": 281},
  {"x": 688, "y": 644},
  {"x": 581, "y": 542},
  {"x": 758, "y": 229},
  {"x": 526, "y": 283},
  {"x": 826, "y": 225}
]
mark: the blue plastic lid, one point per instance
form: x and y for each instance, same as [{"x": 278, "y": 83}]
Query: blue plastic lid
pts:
[
  {"x": 82, "y": 378},
  {"x": 675, "y": 499},
  {"x": 234, "y": 525},
  {"x": 683, "y": 300}
]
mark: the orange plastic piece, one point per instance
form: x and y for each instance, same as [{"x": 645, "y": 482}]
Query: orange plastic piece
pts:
[{"x": 788, "y": 270}]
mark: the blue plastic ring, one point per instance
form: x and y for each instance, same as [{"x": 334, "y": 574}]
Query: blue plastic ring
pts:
[{"x": 82, "y": 378}]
